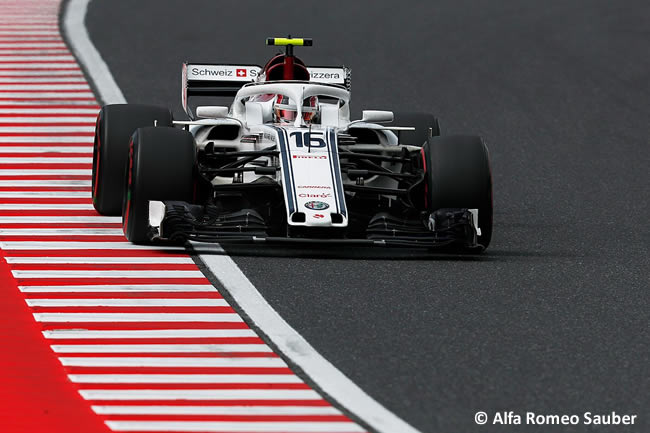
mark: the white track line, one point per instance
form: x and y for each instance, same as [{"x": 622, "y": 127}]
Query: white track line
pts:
[
  {"x": 36, "y": 45},
  {"x": 236, "y": 426},
  {"x": 30, "y": 33},
  {"x": 28, "y": 74},
  {"x": 130, "y": 288},
  {"x": 38, "y": 172},
  {"x": 41, "y": 129},
  {"x": 7, "y": 56},
  {"x": 53, "y": 111},
  {"x": 36, "y": 120},
  {"x": 59, "y": 232},
  {"x": 47, "y": 183},
  {"x": 52, "y": 245},
  {"x": 109, "y": 273},
  {"x": 45, "y": 139},
  {"x": 75, "y": 27},
  {"x": 31, "y": 129},
  {"x": 60, "y": 220},
  {"x": 55, "y": 87},
  {"x": 161, "y": 348},
  {"x": 42, "y": 194},
  {"x": 215, "y": 410},
  {"x": 68, "y": 334},
  {"x": 100, "y": 260},
  {"x": 17, "y": 28},
  {"x": 5, "y": 79},
  {"x": 49, "y": 59},
  {"x": 45, "y": 206},
  {"x": 45, "y": 94},
  {"x": 47, "y": 109},
  {"x": 45, "y": 194},
  {"x": 184, "y": 378},
  {"x": 48, "y": 51},
  {"x": 203, "y": 394},
  {"x": 297, "y": 349},
  {"x": 286, "y": 339},
  {"x": 136, "y": 317},
  {"x": 175, "y": 361},
  {"x": 19, "y": 38},
  {"x": 128, "y": 302}
]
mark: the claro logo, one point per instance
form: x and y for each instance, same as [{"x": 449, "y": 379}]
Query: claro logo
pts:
[{"x": 318, "y": 195}]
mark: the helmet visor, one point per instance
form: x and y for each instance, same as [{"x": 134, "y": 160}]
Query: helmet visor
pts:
[
  {"x": 285, "y": 115},
  {"x": 286, "y": 111}
]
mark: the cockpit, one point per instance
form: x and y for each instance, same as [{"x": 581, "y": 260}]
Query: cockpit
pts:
[{"x": 296, "y": 102}]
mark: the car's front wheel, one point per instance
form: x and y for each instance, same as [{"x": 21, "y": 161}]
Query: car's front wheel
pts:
[
  {"x": 161, "y": 166},
  {"x": 458, "y": 175}
]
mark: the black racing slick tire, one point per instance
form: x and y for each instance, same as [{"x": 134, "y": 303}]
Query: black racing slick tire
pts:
[
  {"x": 161, "y": 166},
  {"x": 113, "y": 130},
  {"x": 426, "y": 125},
  {"x": 458, "y": 175}
]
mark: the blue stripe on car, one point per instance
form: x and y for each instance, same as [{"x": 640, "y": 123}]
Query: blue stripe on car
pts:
[
  {"x": 286, "y": 170},
  {"x": 332, "y": 170},
  {"x": 291, "y": 176},
  {"x": 337, "y": 171}
]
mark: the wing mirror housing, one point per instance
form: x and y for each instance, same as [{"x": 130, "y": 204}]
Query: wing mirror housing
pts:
[
  {"x": 376, "y": 116},
  {"x": 212, "y": 112}
]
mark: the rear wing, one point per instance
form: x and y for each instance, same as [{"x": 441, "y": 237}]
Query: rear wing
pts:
[{"x": 209, "y": 79}]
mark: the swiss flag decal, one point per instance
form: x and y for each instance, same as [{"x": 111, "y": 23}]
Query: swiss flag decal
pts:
[{"x": 241, "y": 73}]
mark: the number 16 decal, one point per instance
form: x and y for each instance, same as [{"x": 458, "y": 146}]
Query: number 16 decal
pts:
[{"x": 308, "y": 139}]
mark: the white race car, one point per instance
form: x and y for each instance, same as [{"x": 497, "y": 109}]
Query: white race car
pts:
[{"x": 284, "y": 163}]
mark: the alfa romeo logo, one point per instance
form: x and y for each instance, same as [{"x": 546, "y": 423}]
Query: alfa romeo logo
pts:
[{"x": 316, "y": 205}]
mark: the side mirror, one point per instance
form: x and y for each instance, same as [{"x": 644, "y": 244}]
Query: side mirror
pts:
[
  {"x": 212, "y": 112},
  {"x": 376, "y": 116}
]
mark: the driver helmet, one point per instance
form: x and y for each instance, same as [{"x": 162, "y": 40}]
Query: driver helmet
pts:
[{"x": 285, "y": 111}]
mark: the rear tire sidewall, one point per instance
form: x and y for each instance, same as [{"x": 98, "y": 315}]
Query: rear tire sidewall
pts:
[
  {"x": 161, "y": 166},
  {"x": 458, "y": 175},
  {"x": 113, "y": 129}
]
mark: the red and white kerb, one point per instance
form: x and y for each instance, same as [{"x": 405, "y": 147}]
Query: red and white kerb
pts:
[{"x": 139, "y": 332}]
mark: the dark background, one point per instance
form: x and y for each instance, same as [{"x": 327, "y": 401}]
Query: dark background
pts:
[{"x": 554, "y": 318}]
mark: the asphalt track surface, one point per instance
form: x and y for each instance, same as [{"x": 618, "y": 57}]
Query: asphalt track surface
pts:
[{"x": 555, "y": 317}]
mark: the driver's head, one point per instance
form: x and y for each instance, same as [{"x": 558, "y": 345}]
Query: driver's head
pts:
[{"x": 285, "y": 109}]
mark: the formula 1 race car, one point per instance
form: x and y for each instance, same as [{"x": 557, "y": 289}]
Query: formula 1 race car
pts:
[{"x": 284, "y": 163}]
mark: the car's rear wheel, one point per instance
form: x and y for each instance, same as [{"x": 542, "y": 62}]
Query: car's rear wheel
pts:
[
  {"x": 458, "y": 175},
  {"x": 113, "y": 130},
  {"x": 426, "y": 125},
  {"x": 161, "y": 166}
]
